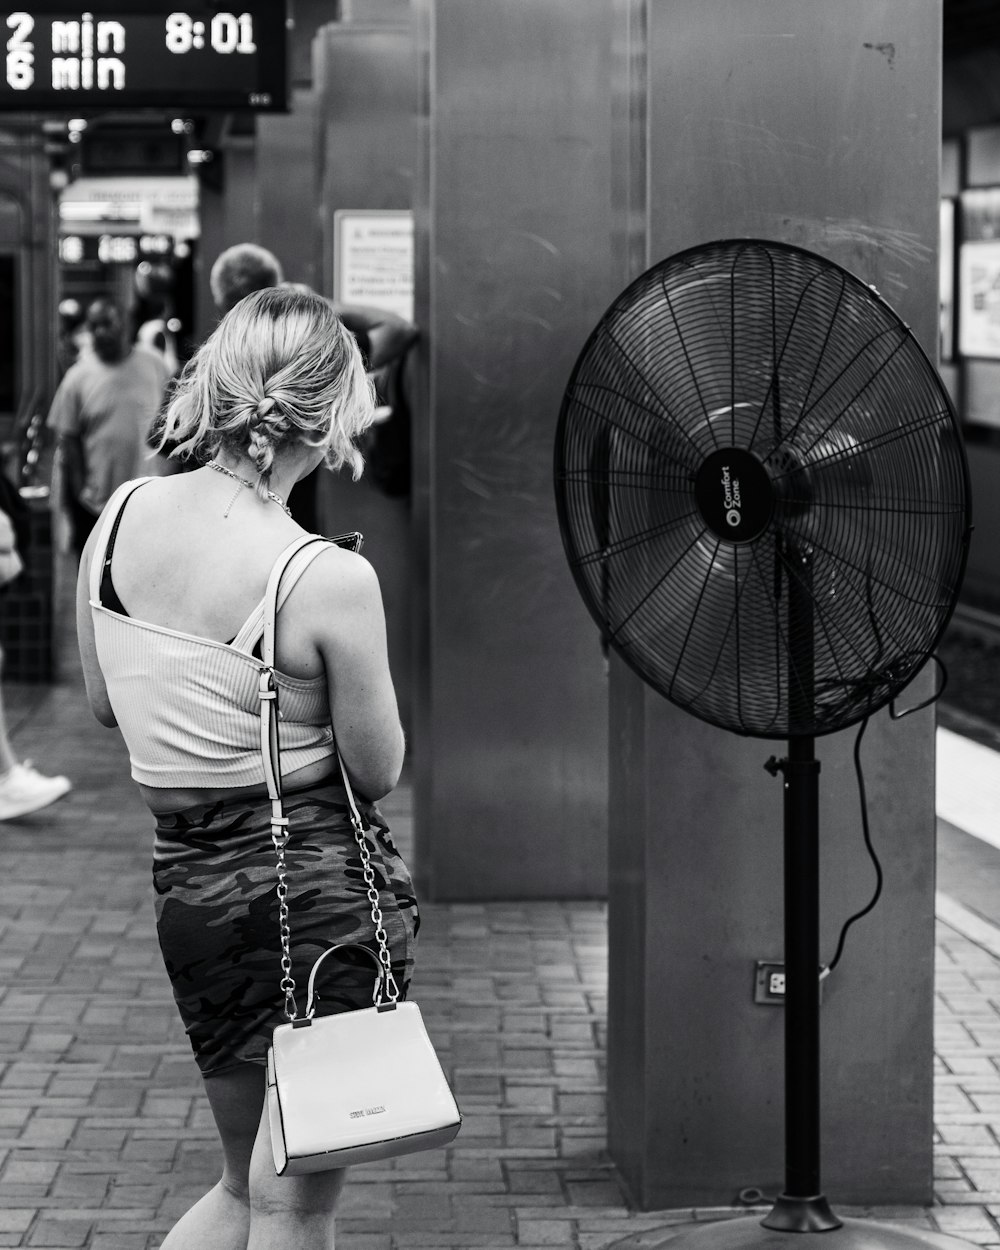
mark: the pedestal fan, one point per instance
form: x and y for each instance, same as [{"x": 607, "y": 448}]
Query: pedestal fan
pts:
[{"x": 764, "y": 500}]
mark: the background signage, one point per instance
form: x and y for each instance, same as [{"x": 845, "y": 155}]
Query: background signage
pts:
[
  {"x": 143, "y": 54},
  {"x": 373, "y": 259},
  {"x": 979, "y": 274}
]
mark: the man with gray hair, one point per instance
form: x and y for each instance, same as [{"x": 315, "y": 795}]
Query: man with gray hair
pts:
[{"x": 240, "y": 269}]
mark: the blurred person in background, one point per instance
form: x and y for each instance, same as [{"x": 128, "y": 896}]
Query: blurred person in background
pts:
[
  {"x": 23, "y": 788},
  {"x": 74, "y": 337},
  {"x": 101, "y": 415},
  {"x": 152, "y": 314},
  {"x": 240, "y": 269}
]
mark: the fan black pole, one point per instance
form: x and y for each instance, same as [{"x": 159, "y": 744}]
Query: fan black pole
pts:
[{"x": 802, "y": 1208}]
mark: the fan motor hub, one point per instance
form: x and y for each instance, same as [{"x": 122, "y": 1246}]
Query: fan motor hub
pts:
[{"x": 734, "y": 494}]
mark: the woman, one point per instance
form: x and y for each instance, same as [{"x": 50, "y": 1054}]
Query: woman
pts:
[{"x": 168, "y": 622}]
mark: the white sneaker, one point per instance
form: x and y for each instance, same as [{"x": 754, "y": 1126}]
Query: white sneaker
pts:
[{"x": 23, "y": 789}]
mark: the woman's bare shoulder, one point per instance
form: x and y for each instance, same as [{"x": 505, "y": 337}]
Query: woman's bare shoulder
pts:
[
  {"x": 338, "y": 590},
  {"x": 337, "y": 572},
  {"x": 150, "y": 497}
]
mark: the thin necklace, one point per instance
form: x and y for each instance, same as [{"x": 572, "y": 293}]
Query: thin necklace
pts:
[{"x": 221, "y": 468}]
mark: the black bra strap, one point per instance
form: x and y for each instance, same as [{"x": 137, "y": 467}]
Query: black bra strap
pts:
[{"x": 107, "y": 595}]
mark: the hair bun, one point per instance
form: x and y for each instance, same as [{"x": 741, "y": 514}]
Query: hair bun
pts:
[{"x": 265, "y": 406}]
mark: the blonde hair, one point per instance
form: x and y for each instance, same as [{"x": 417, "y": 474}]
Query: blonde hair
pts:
[{"x": 280, "y": 368}]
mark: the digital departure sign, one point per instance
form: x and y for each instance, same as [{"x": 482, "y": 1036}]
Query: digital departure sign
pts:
[{"x": 137, "y": 54}]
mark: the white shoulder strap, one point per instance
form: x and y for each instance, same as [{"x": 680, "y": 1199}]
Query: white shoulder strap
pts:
[
  {"x": 273, "y": 585},
  {"x": 252, "y": 629},
  {"x": 268, "y": 689}
]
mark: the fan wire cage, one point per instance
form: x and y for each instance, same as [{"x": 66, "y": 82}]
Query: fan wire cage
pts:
[{"x": 761, "y": 489}]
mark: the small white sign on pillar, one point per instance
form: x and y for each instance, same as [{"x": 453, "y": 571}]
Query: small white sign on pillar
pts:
[
  {"x": 373, "y": 259},
  {"x": 979, "y": 299}
]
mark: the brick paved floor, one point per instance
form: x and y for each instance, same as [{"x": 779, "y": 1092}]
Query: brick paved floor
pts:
[{"x": 105, "y": 1137}]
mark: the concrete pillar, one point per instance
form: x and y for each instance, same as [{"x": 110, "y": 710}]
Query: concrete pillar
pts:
[
  {"x": 364, "y": 74},
  {"x": 514, "y": 264},
  {"x": 816, "y": 125},
  {"x": 286, "y": 185}
]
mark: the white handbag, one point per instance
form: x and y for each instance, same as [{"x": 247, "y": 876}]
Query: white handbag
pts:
[
  {"x": 361, "y": 1085},
  {"x": 355, "y": 1087}
]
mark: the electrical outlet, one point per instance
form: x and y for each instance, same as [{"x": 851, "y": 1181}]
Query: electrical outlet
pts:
[{"x": 769, "y": 983}]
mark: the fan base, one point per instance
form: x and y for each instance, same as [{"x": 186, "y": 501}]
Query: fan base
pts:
[{"x": 748, "y": 1233}]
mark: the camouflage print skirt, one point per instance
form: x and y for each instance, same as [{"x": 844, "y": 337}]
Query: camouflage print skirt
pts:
[{"x": 217, "y": 915}]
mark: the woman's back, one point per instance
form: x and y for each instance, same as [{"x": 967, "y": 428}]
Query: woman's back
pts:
[
  {"x": 204, "y": 572},
  {"x": 192, "y": 556}
]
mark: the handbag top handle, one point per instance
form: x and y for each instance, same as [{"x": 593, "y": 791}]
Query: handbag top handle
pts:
[{"x": 386, "y": 991}]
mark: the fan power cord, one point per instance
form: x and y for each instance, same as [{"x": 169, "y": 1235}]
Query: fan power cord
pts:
[
  {"x": 773, "y": 766},
  {"x": 863, "y": 801},
  {"x": 919, "y": 707},
  {"x": 752, "y": 1196},
  {"x": 866, "y": 833}
]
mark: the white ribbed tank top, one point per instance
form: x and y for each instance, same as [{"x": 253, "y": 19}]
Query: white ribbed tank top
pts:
[{"x": 188, "y": 706}]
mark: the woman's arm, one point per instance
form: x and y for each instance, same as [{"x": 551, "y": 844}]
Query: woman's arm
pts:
[
  {"x": 348, "y": 624},
  {"x": 97, "y": 691},
  {"x": 389, "y": 335}
]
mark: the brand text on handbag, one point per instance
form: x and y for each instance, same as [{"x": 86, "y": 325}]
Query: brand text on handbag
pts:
[{"x": 357, "y": 1115}]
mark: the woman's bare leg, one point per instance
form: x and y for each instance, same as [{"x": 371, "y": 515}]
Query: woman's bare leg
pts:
[
  {"x": 288, "y": 1211},
  {"x": 221, "y": 1219},
  {"x": 251, "y": 1208}
]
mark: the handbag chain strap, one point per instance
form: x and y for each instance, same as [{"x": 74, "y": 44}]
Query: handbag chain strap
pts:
[
  {"x": 386, "y": 987},
  {"x": 280, "y": 840}
]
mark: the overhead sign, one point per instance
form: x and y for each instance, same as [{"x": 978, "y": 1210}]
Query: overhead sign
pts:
[
  {"x": 152, "y": 205},
  {"x": 138, "y": 53},
  {"x": 373, "y": 259},
  {"x": 168, "y": 191}
]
